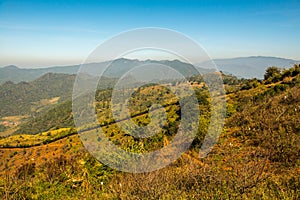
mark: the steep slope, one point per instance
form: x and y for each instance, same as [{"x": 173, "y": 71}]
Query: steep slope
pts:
[{"x": 59, "y": 116}]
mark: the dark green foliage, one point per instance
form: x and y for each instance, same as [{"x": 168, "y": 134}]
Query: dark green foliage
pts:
[
  {"x": 57, "y": 117},
  {"x": 2, "y": 128},
  {"x": 279, "y": 88},
  {"x": 230, "y": 79},
  {"x": 20, "y": 99},
  {"x": 249, "y": 84},
  {"x": 270, "y": 92},
  {"x": 273, "y": 74},
  {"x": 202, "y": 96},
  {"x": 198, "y": 79},
  {"x": 293, "y": 71}
]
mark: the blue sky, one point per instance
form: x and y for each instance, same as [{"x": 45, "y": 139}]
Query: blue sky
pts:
[{"x": 46, "y": 33}]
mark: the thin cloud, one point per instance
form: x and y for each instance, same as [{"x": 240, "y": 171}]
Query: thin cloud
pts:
[{"x": 49, "y": 28}]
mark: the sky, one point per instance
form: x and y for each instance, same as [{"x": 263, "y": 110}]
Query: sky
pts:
[{"x": 50, "y": 33}]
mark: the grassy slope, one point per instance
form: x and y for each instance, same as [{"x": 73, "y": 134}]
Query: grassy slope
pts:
[{"x": 257, "y": 157}]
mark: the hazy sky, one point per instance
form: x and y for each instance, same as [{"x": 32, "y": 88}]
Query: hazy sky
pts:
[{"x": 49, "y": 32}]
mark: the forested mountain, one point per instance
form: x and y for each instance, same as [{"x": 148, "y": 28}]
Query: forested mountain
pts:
[
  {"x": 26, "y": 98},
  {"x": 58, "y": 116}
]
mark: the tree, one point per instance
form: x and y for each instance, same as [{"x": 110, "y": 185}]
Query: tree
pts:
[{"x": 272, "y": 74}]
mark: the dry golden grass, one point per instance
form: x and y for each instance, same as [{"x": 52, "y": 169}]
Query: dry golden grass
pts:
[
  {"x": 31, "y": 140},
  {"x": 14, "y": 158}
]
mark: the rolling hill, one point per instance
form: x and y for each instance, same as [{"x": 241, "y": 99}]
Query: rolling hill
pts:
[
  {"x": 26, "y": 98},
  {"x": 116, "y": 68},
  {"x": 14, "y": 74},
  {"x": 249, "y": 67}
]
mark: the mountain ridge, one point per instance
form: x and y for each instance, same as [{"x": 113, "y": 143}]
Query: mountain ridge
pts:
[
  {"x": 242, "y": 67},
  {"x": 249, "y": 67}
]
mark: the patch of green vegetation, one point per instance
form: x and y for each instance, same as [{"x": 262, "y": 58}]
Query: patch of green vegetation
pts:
[
  {"x": 28, "y": 140},
  {"x": 274, "y": 74},
  {"x": 19, "y": 99},
  {"x": 2, "y": 128},
  {"x": 57, "y": 117}
]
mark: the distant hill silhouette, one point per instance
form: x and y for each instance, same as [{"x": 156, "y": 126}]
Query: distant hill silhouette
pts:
[
  {"x": 249, "y": 67},
  {"x": 16, "y": 75},
  {"x": 116, "y": 69}
]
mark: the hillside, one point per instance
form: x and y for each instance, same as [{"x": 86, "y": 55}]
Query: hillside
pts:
[
  {"x": 60, "y": 116},
  {"x": 27, "y": 98},
  {"x": 256, "y": 157}
]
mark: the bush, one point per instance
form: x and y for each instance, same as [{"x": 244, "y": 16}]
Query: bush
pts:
[
  {"x": 272, "y": 75},
  {"x": 253, "y": 83}
]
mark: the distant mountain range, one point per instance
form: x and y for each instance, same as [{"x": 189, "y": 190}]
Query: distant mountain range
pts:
[
  {"x": 249, "y": 67},
  {"x": 16, "y": 75},
  {"x": 243, "y": 67},
  {"x": 116, "y": 68}
]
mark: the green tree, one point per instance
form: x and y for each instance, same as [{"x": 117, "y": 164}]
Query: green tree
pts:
[{"x": 272, "y": 74}]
